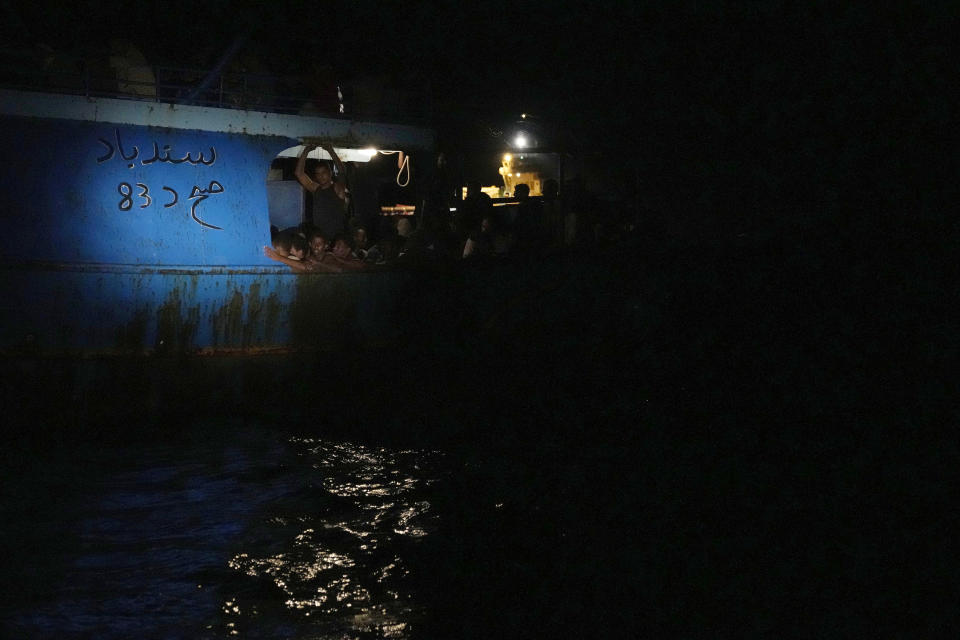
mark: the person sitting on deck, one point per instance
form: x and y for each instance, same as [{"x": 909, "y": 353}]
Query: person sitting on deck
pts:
[
  {"x": 360, "y": 243},
  {"x": 404, "y": 227},
  {"x": 387, "y": 246},
  {"x": 473, "y": 208},
  {"x": 481, "y": 243},
  {"x": 338, "y": 254},
  {"x": 327, "y": 265},
  {"x": 527, "y": 224},
  {"x": 317, "y": 241},
  {"x": 343, "y": 255},
  {"x": 293, "y": 250},
  {"x": 408, "y": 236},
  {"x": 329, "y": 196},
  {"x": 290, "y": 244}
]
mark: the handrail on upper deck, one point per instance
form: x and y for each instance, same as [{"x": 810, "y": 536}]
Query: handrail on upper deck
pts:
[{"x": 231, "y": 90}]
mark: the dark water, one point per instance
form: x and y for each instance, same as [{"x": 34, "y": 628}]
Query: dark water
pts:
[
  {"x": 239, "y": 529},
  {"x": 696, "y": 444}
]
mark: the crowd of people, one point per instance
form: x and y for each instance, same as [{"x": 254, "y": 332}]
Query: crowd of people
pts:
[{"x": 475, "y": 230}]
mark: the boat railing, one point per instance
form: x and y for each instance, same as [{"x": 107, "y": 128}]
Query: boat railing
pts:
[{"x": 301, "y": 95}]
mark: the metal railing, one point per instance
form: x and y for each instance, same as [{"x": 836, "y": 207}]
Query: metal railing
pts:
[{"x": 230, "y": 90}]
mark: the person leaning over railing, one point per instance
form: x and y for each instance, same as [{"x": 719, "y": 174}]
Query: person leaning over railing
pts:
[{"x": 293, "y": 250}]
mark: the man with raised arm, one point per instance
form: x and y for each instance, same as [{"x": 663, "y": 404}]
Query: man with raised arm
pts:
[{"x": 329, "y": 196}]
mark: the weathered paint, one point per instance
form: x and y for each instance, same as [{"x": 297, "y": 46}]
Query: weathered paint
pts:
[
  {"x": 138, "y": 228},
  {"x": 90, "y": 312}
]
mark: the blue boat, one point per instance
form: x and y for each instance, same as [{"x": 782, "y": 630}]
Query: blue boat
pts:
[
  {"x": 134, "y": 274},
  {"x": 137, "y": 228}
]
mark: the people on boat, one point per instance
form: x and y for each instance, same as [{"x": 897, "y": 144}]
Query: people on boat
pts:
[
  {"x": 405, "y": 230},
  {"x": 387, "y": 246},
  {"x": 435, "y": 236},
  {"x": 303, "y": 266},
  {"x": 318, "y": 243},
  {"x": 289, "y": 248},
  {"x": 527, "y": 223},
  {"x": 365, "y": 181},
  {"x": 304, "y": 254},
  {"x": 446, "y": 240},
  {"x": 480, "y": 244},
  {"x": 473, "y": 208},
  {"x": 327, "y": 263},
  {"x": 291, "y": 244},
  {"x": 417, "y": 242},
  {"x": 361, "y": 243},
  {"x": 329, "y": 195}
]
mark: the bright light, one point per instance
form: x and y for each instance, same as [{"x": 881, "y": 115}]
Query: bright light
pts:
[
  {"x": 523, "y": 115},
  {"x": 520, "y": 141},
  {"x": 507, "y": 157},
  {"x": 347, "y": 154}
]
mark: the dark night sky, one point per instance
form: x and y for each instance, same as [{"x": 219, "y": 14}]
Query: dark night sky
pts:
[
  {"x": 500, "y": 60},
  {"x": 596, "y": 62},
  {"x": 734, "y": 103}
]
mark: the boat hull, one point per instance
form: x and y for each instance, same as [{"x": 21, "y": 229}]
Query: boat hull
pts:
[{"x": 138, "y": 228}]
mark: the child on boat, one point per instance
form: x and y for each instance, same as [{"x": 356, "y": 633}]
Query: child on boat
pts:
[{"x": 310, "y": 254}]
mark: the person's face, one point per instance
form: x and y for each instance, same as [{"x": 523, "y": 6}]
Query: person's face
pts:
[
  {"x": 298, "y": 253},
  {"x": 341, "y": 249},
  {"x": 360, "y": 238},
  {"x": 318, "y": 244},
  {"x": 322, "y": 175}
]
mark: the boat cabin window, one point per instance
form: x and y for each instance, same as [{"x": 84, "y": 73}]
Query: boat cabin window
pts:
[{"x": 377, "y": 191}]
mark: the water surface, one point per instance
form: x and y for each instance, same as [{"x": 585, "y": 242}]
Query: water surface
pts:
[{"x": 236, "y": 529}]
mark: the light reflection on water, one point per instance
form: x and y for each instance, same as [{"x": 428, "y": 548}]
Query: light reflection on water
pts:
[
  {"x": 345, "y": 567},
  {"x": 259, "y": 536}
]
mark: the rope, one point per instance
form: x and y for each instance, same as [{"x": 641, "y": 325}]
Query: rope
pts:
[{"x": 405, "y": 166}]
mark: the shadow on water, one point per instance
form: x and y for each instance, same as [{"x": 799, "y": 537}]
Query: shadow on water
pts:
[{"x": 688, "y": 439}]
